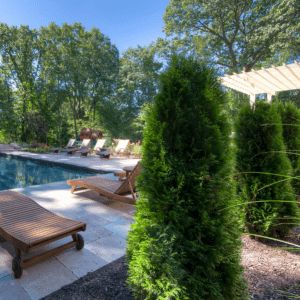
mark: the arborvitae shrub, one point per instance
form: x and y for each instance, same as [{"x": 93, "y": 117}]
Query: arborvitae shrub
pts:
[
  {"x": 261, "y": 150},
  {"x": 185, "y": 241},
  {"x": 290, "y": 116}
]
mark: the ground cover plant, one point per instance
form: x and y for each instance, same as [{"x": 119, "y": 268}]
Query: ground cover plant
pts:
[
  {"x": 185, "y": 243},
  {"x": 265, "y": 171}
]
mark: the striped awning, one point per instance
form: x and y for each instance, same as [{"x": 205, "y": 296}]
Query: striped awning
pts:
[{"x": 265, "y": 81}]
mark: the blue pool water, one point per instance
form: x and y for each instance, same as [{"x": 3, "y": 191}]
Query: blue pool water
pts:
[{"x": 18, "y": 172}]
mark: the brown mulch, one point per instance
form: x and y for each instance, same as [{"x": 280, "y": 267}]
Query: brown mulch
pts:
[
  {"x": 272, "y": 274},
  {"x": 271, "y": 271}
]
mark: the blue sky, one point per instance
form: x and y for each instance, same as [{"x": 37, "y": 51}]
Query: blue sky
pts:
[{"x": 128, "y": 23}]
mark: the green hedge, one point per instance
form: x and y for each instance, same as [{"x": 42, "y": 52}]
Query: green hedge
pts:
[
  {"x": 290, "y": 116},
  {"x": 261, "y": 149},
  {"x": 185, "y": 241}
]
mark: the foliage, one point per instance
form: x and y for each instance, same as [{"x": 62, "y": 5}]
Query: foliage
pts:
[
  {"x": 265, "y": 170},
  {"x": 8, "y": 120},
  {"x": 136, "y": 86},
  {"x": 235, "y": 102},
  {"x": 135, "y": 149},
  {"x": 290, "y": 116},
  {"x": 60, "y": 75},
  {"x": 290, "y": 96},
  {"x": 183, "y": 243},
  {"x": 37, "y": 149},
  {"x": 236, "y": 34}
]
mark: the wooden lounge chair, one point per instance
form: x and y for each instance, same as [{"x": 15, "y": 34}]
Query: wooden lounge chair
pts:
[
  {"x": 69, "y": 146},
  {"x": 71, "y": 143},
  {"x": 121, "y": 146},
  {"x": 97, "y": 148},
  {"x": 99, "y": 145},
  {"x": 83, "y": 149},
  {"x": 111, "y": 189},
  {"x": 27, "y": 226}
]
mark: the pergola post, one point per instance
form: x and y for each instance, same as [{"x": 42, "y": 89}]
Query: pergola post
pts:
[
  {"x": 252, "y": 99},
  {"x": 269, "y": 98}
]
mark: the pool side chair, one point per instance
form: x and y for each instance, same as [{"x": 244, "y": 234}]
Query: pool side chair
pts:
[
  {"x": 83, "y": 149},
  {"x": 70, "y": 145},
  {"x": 111, "y": 189},
  {"x": 99, "y": 145},
  {"x": 28, "y": 226},
  {"x": 121, "y": 147}
]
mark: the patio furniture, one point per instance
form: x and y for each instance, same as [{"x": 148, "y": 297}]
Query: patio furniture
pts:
[
  {"x": 121, "y": 147},
  {"x": 97, "y": 148},
  {"x": 28, "y": 226},
  {"x": 99, "y": 145},
  {"x": 83, "y": 149},
  {"x": 104, "y": 153},
  {"x": 111, "y": 189},
  {"x": 70, "y": 143},
  {"x": 123, "y": 174},
  {"x": 69, "y": 146}
]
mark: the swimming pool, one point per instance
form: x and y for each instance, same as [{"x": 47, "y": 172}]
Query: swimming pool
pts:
[{"x": 16, "y": 172}]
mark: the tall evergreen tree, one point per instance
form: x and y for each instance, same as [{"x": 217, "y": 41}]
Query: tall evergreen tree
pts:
[
  {"x": 185, "y": 243},
  {"x": 290, "y": 116},
  {"x": 265, "y": 170}
]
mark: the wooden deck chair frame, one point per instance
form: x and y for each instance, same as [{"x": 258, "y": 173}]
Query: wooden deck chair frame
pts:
[
  {"x": 119, "y": 193},
  {"x": 71, "y": 143},
  {"x": 28, "y": 226},
  {"x": 121, "y": 146},
  {"x": 84, "y": 147},
  {"x": 99, "y": 144}
]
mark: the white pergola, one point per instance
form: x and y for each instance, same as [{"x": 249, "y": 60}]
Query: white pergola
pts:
[{"x": 265, "y": 81}]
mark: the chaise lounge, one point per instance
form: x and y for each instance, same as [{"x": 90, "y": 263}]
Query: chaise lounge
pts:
[
  {"x": 111, "y": 189},
  {"x": 27, "y": 226},
  {"x": 121, "y": 147},
  {"x": 97, "y": 148},
  {"x": 69, "y": 146},
  {"x": 83, "y": 149}
]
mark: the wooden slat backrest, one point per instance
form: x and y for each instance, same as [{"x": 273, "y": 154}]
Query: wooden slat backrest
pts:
[
  {"x": 100, "y": 143},
  {"x": 121, "y": 146},
  {"x": 130, "y": 181},
  {"x": 70, "y": 143},
  {"x": 85, "y": 143}
]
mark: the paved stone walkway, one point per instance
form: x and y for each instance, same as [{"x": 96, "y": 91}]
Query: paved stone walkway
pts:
[
  {"x": 107, "y": 221},
  {"x": 92, "y": 161}
]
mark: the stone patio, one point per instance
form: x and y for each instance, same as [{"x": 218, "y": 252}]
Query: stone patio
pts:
[
  {"x": 107, "y": 221},
  {"x": 92, "y": 161}
]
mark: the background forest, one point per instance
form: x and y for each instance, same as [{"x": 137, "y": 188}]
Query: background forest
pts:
[{"x": 57, "y": 79}]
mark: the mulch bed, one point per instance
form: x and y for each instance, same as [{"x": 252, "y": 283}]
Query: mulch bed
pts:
[
  {"x": 107, "y": 283},
  {"x": 271, "y": 273}
]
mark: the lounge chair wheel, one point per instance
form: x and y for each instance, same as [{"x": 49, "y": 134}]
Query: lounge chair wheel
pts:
[
  {"x": 16, "y": 267},
  {"x": 79, "y": 241}
]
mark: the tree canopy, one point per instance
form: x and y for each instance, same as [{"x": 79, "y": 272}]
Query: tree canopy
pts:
[
  {"x": 236, "y": 34},
  {"x": 57, "y": 79}
]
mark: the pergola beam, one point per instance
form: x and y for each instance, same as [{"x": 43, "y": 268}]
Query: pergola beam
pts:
[{"x": 265, "y": 81}]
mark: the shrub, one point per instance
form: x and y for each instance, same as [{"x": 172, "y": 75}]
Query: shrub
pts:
[
  {"x": 261, "y": 150},
  {"x": 184, "y": 243},
  {"x": 290, "y": 116}
]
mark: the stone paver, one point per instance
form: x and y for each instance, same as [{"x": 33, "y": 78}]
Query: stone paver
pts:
[
  {"x": 88, "y": 261},
  {"x": 11, "y": 289},
  {"x": 108, "y": 248},
  {"x": 119, "y": 228},
  {"x": 92, "y": 162},
  {"x": 45, "y": 277},
  {"x": 105, "y": 240}
]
